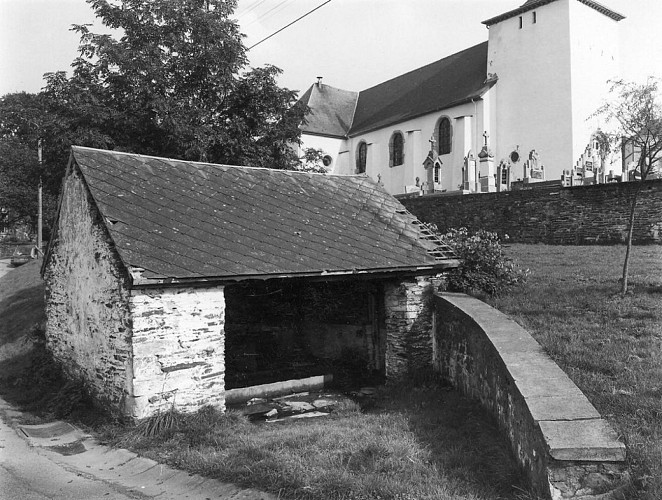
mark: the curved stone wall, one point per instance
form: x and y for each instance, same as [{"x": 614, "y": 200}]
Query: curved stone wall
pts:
[{"x": 557, "y": 435}]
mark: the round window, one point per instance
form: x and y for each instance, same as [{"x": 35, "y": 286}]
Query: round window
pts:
[
  {"x": 326, "y": 160},
  {"x": 514, "y": 156}
]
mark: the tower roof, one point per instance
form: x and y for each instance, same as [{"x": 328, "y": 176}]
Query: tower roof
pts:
[{"x": 532, "y": 4}]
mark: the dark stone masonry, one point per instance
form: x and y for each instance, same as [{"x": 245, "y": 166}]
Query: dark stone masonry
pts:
[{"x": 581, "y": 215}]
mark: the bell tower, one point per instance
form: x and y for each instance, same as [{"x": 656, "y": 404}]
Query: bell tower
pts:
[{"x": 553, "y": 59}]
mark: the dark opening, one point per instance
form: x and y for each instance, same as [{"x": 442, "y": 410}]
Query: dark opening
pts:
[{"x": 287, "y": 329}]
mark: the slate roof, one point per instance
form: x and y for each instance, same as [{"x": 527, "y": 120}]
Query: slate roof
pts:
[
  {"x": 448, "y": 82},
  {"x": 331, "y": 110},
  {"x": 184, "y": 221},
  {"x": 532, "y": 4}
]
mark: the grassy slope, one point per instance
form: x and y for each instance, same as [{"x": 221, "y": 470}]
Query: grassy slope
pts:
[
  {"x": 21, "y": 310},
  {"x": 610, "y": 345}
]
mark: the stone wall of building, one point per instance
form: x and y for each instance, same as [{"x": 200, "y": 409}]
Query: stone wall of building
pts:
[
  {"x": 557, "y": 436},
  {"x": 88, "y": 328},
  {"x": 178, "y": 349},
  {"x": 578, "y": 215},
  {"x": 408, "y": 308}
]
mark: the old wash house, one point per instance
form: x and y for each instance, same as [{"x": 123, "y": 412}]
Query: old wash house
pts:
[
  {"x": 170, "y": 282},
  {"x": 515, "y": 107}
]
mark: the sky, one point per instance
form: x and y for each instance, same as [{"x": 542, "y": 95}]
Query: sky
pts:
[{"x": 352, "y": 44}]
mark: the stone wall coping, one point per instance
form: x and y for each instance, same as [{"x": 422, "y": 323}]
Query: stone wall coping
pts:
[{"x": 570, "y": 425}]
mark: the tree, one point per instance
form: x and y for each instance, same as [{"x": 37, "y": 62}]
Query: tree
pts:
[
  {"x": 175, "y": 84},
  {"x": 312, "y": 160},
  {"x": 636, "y": 114}
]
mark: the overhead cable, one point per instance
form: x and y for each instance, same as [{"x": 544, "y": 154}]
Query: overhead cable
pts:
[{"x": 288, "y": 25}]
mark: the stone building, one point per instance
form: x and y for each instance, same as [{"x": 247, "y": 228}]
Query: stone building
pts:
[
  {"x": 169, "y": 282},
  {"x": 532, "y": 86}
]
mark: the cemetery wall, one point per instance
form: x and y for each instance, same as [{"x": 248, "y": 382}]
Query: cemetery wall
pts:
[{"x": 578, "y": 215}]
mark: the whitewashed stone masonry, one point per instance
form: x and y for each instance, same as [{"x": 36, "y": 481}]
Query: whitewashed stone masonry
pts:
[{"x": 178, "y": 349}]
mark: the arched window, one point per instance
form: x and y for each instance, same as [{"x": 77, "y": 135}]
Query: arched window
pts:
[
  {"x": 444, "y": 136},
  {"x": 396, "y": 150},
  {"x": 437, "y": 174},
  {"x": 361, "y": 157}
]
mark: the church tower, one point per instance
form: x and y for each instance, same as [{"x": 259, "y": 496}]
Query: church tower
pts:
[{"x": 553, "y": 59}]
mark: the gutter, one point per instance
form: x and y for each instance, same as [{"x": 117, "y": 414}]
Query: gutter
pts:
[{"x": 138, "y": 281}]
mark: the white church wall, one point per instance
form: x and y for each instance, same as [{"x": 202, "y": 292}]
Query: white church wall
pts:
[
  {"x": 417, "y": 133},
  {"x": 330, "y": 145},
  {"x": 595, "y": 60},
  {"x": 532, "y": 100}
]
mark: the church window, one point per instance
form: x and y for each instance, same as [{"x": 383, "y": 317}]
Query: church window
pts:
[
  {"x": 361, "y": 157},
  {"x": 444, "y": 136},
  {"x": 520, "y": 22},
  {"x": 437, "y": 174},
  {"x": 535, "y": 18},
  {"x": 396, "y": 150}
]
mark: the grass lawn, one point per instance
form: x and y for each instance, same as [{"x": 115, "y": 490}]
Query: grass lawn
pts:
[{"x": 610, "y": 345}]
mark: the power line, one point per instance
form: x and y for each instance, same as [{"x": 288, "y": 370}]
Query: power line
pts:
[{"x": 288, "y": 25}]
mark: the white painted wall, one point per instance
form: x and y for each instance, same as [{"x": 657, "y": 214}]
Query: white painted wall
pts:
[
  {"x": 595, "y": 58},
  {"x": 330, "y": 145},
  {"x": 417, "y": 133},
  {"x": 531, "y": 102},
  {"x": 552, "y": 77}
]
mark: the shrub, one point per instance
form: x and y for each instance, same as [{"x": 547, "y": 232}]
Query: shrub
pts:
[{"x": 484, "y": 269}]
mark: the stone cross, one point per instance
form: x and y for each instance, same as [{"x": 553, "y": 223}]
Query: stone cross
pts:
[{"x": 486, "y": 136}]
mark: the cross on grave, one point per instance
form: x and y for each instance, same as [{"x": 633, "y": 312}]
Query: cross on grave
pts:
[
  {"x": 432, "y": 142},
  {"x": 486, "y": 136}
]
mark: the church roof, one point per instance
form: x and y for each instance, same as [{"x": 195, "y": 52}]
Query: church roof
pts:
[
  {"x": 175, "y": 221},
  {"x": 453, "y": 80},
  {"x": 448, "y": 82},
  {"x": 331, "y": 110},
  {"x": 533, "y": 4}
]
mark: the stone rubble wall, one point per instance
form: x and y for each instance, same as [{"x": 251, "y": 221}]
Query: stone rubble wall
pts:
[
  {"x": 88, "y": 328},
  {"x": 178, "y": 349},
  {"x": 408, "y": 309},
  {"x": 557, "y": 436},
  {"x": 578, "y": 215}
]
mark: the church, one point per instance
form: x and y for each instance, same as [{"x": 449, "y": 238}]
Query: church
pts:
[{"x": 515, "y": 108}]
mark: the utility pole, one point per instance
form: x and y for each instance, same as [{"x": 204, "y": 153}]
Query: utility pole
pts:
[{"x": 40, "y": 214}]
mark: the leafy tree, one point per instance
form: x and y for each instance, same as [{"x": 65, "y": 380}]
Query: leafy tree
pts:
[
  {"x": 175, "y": 84},
  {"x": 636, "y": 114},
  {"x": 23, "y": 119},
  {"x": 312, "y": 160}
]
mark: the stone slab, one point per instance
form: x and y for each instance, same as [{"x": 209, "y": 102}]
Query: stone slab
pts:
[
  {"x": 564, "y": 407},
  {"x": 52, "y": 434},
  {"x": 585, "y": 440}
]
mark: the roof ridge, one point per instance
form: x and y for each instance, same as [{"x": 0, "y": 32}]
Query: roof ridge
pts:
[{"x": 192, "y": 162}]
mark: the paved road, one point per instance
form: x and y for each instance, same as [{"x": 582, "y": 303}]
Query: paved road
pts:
[
  {"x": 56, "y": 461},
  {"x": 25, "y": 474}
]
